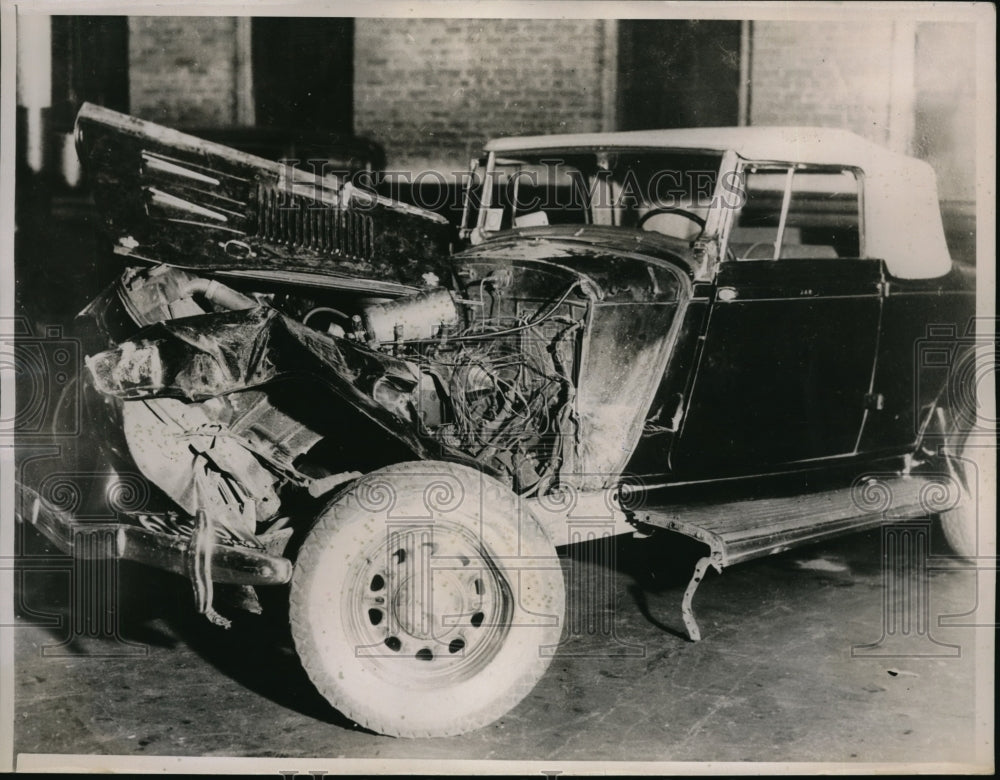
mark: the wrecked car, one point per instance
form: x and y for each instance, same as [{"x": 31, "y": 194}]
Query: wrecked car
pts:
[{"x": 710, "y": 332}]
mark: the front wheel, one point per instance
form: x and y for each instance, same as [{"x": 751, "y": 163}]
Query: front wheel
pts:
[{"x": 426, "y": 601}]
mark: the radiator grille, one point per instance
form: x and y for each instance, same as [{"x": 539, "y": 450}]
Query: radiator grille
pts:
[{"x": 303, "y": 224}]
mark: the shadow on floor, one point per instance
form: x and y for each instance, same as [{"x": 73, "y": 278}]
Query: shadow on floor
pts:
[
  {"x": 155, "y": 610},
  {"x": 661, "y": 563}
]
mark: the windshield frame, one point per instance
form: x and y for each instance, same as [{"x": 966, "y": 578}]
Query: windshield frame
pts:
[{"x": 483, "y": 179}]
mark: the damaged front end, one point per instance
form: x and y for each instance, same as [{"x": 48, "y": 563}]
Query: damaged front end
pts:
[
  {"x": 278, "y": 335},
  {"x": 445, "y": 377},
  {"x": 247, "y": 416}
]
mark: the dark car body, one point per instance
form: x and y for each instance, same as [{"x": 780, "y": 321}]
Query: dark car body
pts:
[{"x": 777, "y": 362}]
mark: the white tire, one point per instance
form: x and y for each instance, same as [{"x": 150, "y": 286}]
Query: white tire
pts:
[
  {"x": 426, "y": 601},
  {"x": 970, "y": 462}
]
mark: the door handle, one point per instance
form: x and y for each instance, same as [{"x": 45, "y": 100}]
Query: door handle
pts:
[{"x": 726, "y": 294}]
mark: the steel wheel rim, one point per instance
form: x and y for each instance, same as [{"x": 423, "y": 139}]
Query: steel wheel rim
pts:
[{"x": 426, "y": 605}]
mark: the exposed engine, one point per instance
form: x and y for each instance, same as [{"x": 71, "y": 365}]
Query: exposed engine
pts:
[{"x": 489, "y": 375}]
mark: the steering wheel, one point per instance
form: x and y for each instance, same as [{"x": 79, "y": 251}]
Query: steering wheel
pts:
[{"x": 670, "y": 210}]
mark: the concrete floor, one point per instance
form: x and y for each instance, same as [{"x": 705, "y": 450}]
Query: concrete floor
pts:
[{"x": 772, "y": 680}]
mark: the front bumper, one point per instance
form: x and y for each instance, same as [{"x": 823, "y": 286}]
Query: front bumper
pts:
[{"x": 227, "y": 564}]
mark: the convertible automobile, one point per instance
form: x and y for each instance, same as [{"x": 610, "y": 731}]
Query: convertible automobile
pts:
[{"x": 754, "y": 337}]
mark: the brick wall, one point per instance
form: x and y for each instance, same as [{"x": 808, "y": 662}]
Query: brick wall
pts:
[
  {"x": 822, "y": 73},
  {"x": 181, "y": 69},
  {"x": 432, "y": 90}
]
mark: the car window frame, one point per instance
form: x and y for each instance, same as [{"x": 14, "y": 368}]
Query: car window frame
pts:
[{"x": 744, "y": 166}]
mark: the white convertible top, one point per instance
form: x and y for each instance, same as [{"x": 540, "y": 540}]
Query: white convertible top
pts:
[{"x": 902, "y": 216}]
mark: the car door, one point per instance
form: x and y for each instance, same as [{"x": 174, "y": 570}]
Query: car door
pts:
[{"x": 785, "y": 368}]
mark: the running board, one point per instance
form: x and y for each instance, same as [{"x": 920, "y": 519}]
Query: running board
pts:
[{"x": 738, "y": 531}]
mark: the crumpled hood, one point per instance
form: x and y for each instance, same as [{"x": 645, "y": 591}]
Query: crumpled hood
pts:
[{"x": 168, "y": 197}]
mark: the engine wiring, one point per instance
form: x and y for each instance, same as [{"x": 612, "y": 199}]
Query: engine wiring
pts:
[
  {"x": 510, "y": 391},
  {"x": 538, "y": 319}
]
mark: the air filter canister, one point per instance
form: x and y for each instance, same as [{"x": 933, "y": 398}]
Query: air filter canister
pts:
[{"x": 417, "y": 316}]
